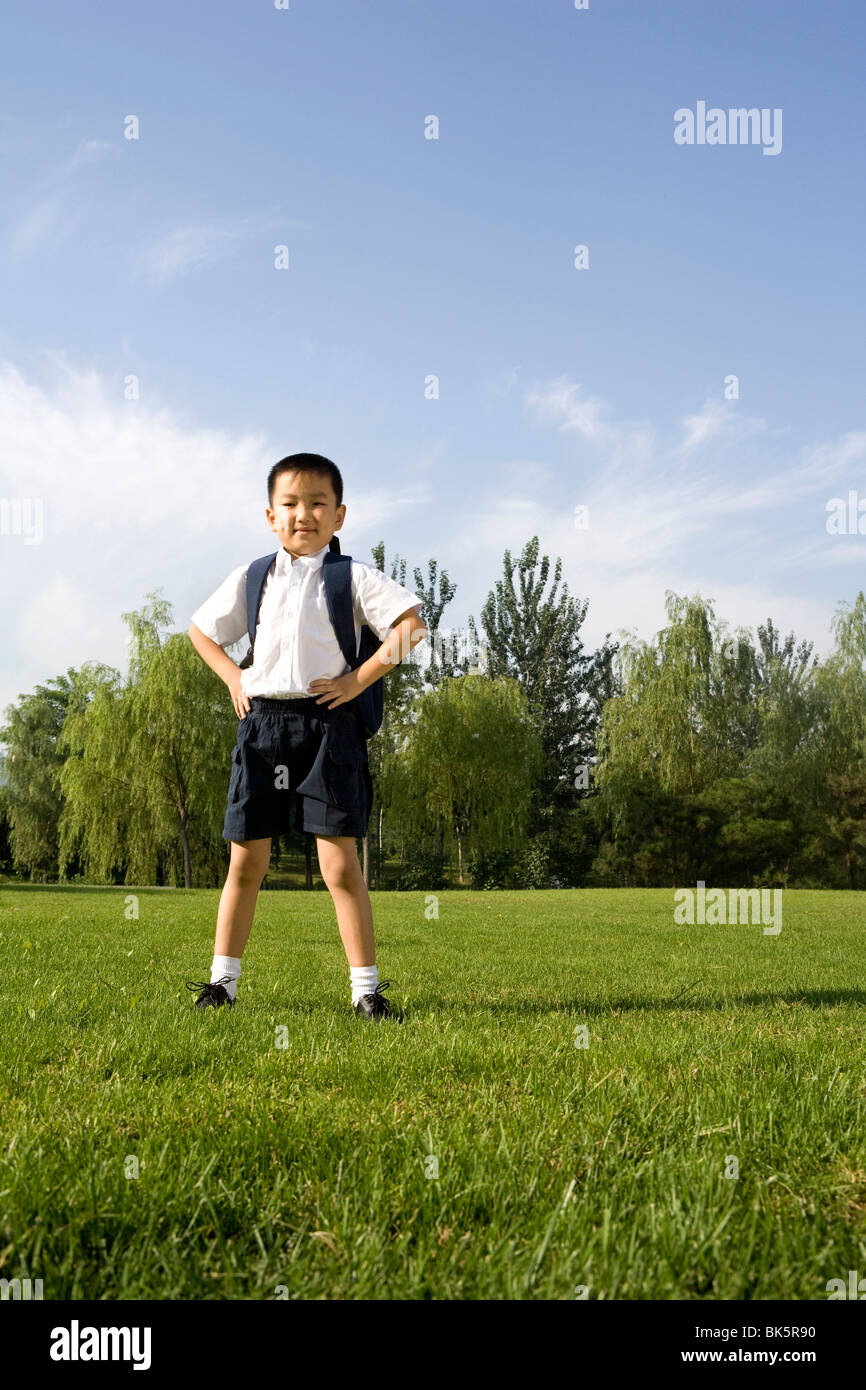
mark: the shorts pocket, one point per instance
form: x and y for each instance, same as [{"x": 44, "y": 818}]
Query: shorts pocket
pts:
[
  {"x": 237, "y": 775},
  {"x": 344, "y": 760}
]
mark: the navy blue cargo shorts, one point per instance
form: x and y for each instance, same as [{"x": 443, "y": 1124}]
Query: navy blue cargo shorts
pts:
[{"x": 297, "y": 764}]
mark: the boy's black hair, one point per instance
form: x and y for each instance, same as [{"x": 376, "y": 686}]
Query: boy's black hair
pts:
[{"x": 306, "y": 463}]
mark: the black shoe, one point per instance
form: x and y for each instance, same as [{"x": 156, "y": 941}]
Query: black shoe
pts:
[
  {"x": 211, "y": 994},
  {"x": 374, "y": 1005}
]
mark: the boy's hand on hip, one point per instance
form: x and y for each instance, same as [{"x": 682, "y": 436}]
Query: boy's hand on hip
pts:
[
  {"x": 336, "y": 689},
  {"x": 240, "y": 701}
]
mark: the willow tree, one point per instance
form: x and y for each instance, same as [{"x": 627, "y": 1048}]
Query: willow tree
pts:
[
  {"x": 841, "y": 684},
  {"x": 32, "y": 765},
  {"x": 681, "y": 723},
  {"x": 786, "y": 712},
  {"x": 682, "y": 717},
  {"x": 470, "y": 765},
  {"x": 148, "y": 760},
  {"x": 842, "y": 690},
  {"x": 97, "y": 803}
]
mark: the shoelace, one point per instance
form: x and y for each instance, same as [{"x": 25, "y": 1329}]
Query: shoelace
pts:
[
  {"x": 209, "y": 987},
  {"x": 383, "y": 984}
]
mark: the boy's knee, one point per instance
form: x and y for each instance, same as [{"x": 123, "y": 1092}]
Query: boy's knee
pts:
[
  {"x": 246, "y": 876},
  {"x": 340, "y": 868},
  {"x": 341, "y": 875},
  {"x": 248, "y": 870}
]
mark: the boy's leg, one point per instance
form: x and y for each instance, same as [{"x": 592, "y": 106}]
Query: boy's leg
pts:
[
  {"x": 248, "y": 864},
  {"x": 247, "y": 867},
  {"x": 338, "y": 861},
  {"x": 342, "y": 875},
  {"x": 334, "y": 796}
]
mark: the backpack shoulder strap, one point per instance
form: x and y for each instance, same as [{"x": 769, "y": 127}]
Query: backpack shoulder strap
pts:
[
  {"x": 256, "y": 576},
  {"x": 337, "y": 571}
]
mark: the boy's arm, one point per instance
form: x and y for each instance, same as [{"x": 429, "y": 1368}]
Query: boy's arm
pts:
[
  {"x": 406, "y": 632},
  {"x": 226, "y": 669}
]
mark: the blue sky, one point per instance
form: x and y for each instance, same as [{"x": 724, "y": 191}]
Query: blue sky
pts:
[{"x": 558, "y": 387}]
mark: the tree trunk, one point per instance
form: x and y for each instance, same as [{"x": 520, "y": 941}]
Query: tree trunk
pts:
[
  {"x": 367, "y": 862},
  {"x": 184, "y": 819},
  {"x": 459, "y": 856},
  {"x": 187, "y": 870},
  {"x": 379, "y": 820}
]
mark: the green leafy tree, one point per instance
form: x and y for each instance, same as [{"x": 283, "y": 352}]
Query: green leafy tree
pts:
[
  {"x": 32, "y": 794},
  {"x": 842, "y": 691},
  {"x": 681, "y": 719},
  {"x": 533, "y": 636},
  {"x": 470, "y": 764},
  {"x": 146, "y": 773},
  {"x": 720, "y": 756},
  {"x": 403, "y": 685},
  {"x": 842, "y": 698},
  {"x": 444, "y": 656},
  {"x": 845, "y": 829},
  {"x": 681, "y": 722}
]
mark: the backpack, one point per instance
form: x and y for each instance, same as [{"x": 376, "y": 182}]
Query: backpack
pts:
[{"x": 369, "y": 705}]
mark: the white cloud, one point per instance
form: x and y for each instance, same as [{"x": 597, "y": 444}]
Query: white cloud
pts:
[
  {"x": 196, "y": 245},
  {"x": 87, "y": 152},
  {"x": 48, "y": 223},
  {"x": 54, "y": 620},
  {"x": 699, "y": 428},
  {"x": 562, "y": 402},
  {"x": 189, "y": 248},
  {"x": 58, "y": 210},
  {"x": 132, "y": 501}
]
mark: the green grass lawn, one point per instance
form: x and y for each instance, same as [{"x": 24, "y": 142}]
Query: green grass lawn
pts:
[{"x": 558, "y": 1166}]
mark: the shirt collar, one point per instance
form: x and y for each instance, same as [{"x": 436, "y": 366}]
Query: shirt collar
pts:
[{"x": 284, "y": 559}]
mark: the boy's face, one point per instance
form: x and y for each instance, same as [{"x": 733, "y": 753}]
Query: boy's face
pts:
[{"x": 304, "y": 512}]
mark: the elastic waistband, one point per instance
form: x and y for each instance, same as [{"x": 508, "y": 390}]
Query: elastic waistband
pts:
[{"x": 299, "y": 703}]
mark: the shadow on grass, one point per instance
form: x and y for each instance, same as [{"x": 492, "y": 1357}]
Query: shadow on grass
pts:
[{"x": 810, "y": 998}]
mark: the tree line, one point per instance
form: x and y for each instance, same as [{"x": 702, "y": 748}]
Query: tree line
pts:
[{"x": 516, "y": 759}]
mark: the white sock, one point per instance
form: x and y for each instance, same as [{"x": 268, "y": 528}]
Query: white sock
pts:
[
  {"x": 364, "y": 980},
  {"x": 226, "y": 965}
]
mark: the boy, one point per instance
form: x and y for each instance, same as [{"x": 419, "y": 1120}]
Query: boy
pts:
[{"x": 298, "y": 742}]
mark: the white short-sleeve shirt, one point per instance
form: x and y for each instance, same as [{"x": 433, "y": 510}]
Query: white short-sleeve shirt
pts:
[{"x": 295, "y": 642}]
